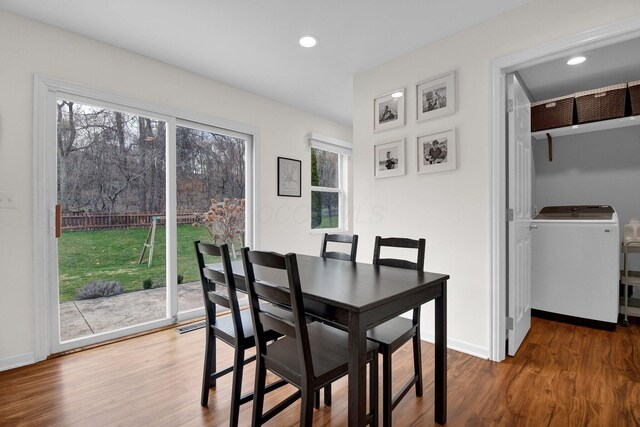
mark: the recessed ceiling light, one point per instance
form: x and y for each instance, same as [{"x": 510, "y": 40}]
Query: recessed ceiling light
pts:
[
  {"x": 576, "y": 60},
  {"x": 397, "y": 94},
  {"x": 308, "y": 41}
]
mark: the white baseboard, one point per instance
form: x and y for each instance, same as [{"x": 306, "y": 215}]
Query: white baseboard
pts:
[
  {"x": 457, "y": 345},
  {"x": 17, "y": 361}
]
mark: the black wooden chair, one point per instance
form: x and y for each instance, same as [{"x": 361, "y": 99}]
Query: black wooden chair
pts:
[
  {"x": 308, "y": 356},
  {"x": 351, "y": 256},
  {"x": 340, "y": 238},
  {"x": 392, "y": 334},
  {"x": 235, "y": 328}
]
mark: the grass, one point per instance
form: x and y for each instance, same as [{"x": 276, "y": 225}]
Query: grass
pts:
[{"x": 87, "y": 256}]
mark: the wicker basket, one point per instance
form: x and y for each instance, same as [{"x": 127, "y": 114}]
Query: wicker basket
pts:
[
  {"x": 552, "y": 113},
  {"x": 634, "y": 94},
  {"x": 601, "y": 104}
]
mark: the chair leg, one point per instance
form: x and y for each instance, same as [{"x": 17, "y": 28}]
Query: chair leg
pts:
[
  {"x": 373, "y": 390},
  {"x": 306, "y": 408},
  {"x": 258, "y": 393},
  {"x": 386, "y": 387},
  {"x": 209, "y": 367},
  {"x": 316, "y": 399},
  {"x": 236, "y": 387},
  {"x": 417, "y": 362},
  {"x": 327, "y": 395}
]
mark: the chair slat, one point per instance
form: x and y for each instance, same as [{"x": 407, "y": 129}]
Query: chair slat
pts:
[
  {"x": 214, "y": 276},
  {"x": 267, "y": 259},
  {"x": 272, "y": 293},
  {"x": 218, "y": 298},
  {"x": 278, "y": 324}
]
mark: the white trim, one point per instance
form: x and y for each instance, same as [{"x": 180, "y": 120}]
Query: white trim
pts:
[
  {"x": 17, "y": 361},
  {"x": 602, "y": 36},
  {"x": 457, "y": 345},
  {"x": 327, "y": 143},
  {"x": 46, "y": 90}
]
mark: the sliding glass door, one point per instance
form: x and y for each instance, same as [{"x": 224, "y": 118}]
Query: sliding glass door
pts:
[{"x": 128, "y": 191}]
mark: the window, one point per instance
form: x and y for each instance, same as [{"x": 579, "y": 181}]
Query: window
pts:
[{"x": 329, "y": 160}]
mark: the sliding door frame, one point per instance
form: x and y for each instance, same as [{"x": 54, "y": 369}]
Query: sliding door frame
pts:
[{"x": 45, "y": 279}]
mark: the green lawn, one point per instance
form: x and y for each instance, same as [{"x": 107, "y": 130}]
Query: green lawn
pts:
[{"x": 87, "y": 256}]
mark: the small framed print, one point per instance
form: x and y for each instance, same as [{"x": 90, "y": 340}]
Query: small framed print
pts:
[
  {"x": 436, "y": 97},
  {"x": 388, "y": 110},
  {"x": 289, "y": 177},
  {"x": 389, "y": 159},
  {"x": 437, "y": 152}
]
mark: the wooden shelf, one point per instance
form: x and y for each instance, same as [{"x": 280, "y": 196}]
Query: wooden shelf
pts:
[{"x": 587, "y": 127}]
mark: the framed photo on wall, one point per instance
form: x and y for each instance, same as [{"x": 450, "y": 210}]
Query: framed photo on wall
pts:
[
  {"x": 437, "y": 152},
  {"x": 289, "y": 177},
  {"x": 436, "y": 97},
  {"x": 389, "y": 159},
  {"x": 388, "y": 110}
]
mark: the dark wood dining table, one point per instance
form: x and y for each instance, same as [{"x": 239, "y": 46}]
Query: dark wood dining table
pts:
[{"x": 359, "y": 296}]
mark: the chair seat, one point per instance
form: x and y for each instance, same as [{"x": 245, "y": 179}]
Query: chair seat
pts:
[
  {"x": 392, "y": 333},
  {"x": 329, "y": 347}
]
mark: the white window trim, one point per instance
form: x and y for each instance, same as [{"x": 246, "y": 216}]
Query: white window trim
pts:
[
  {"x": 46, "y": 91},
  {"x": 344, "y": 150}
]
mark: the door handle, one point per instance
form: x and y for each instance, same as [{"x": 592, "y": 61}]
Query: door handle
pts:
[
  {"x": 533, "y": 227},
  {"x": 58, "y": 221}
]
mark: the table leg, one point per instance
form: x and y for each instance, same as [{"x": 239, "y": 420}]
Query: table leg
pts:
[
  {"x": 441, "y": 357},
  {"x": 357, "y": 371}
]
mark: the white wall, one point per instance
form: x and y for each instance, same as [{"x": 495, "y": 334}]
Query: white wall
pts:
[
  {"x": 27, "y": 47},
  {"x": 452, "y": 209},
  {"x": 593, "y": 168}
]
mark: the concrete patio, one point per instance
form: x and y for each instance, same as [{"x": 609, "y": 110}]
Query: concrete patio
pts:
[{"x": 93, "y": 316}]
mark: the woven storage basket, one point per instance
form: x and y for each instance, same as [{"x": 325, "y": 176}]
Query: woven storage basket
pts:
[
  {"x": 552, "y": 113},
  {"x": 601, "y": 104},
  {"x": 634, "y": 94}
]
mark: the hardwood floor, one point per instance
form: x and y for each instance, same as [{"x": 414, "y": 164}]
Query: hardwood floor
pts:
[{"x": 563, "y": 375}]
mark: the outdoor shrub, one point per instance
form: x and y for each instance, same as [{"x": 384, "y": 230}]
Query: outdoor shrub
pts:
[
  {"x": 101, "y": 288},
  {"x": 147, "y": 283},
  {"x": 180, "y": 279}
]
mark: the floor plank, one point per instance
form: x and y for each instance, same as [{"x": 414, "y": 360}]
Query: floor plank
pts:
[{"x": 563, "y": 375}]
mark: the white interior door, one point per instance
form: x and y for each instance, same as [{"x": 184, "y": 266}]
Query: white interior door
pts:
[{"x": 520, "y": 204}]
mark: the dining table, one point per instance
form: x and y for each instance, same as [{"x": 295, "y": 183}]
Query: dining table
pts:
[{"x": 358, "y": 296}]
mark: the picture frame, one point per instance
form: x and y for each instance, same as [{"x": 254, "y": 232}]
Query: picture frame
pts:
[
  {"x": 437, "y": 152},
  {"x": 388, "y": 110},
  {"x": 389, "y": 159},
  {"x": 436, "y": 97},
  {"x": 289, "y": 177}
]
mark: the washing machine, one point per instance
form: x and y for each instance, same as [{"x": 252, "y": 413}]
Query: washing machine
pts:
[{"x": 575, "y": 262}]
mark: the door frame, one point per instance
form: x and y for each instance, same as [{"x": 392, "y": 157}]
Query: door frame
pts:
[
  {"x": 45, "y": 92},
  {"x": 598, "y": 37}
]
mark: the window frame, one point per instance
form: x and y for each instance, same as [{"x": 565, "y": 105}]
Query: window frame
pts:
[{"x": 343, "y": 149}]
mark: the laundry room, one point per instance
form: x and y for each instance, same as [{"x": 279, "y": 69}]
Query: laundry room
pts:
[{"x": 585, "y": 183}]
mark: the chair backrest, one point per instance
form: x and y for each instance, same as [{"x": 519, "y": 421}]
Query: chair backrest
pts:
[
  {"x": 398, "y": 242},
  {"x": 340, "y": 238},
  {"x": 277, "y": 293},
  {"x": 212, "y": 282}
]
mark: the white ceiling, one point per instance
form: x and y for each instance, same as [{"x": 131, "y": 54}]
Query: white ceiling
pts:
[
  {"x": 605, "y": 66},
  {"x": 252, "y": 44}
]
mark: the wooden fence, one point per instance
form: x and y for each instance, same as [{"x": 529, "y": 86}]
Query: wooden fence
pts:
[{"x": 94, "y": 221}]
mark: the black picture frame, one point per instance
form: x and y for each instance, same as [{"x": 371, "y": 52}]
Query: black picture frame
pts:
[{"x": 289, "y": 177}]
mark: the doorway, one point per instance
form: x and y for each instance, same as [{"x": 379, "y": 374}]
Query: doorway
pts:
[
  {"x": 500, "y": 285},
  {"x": 124, "y": 189}
]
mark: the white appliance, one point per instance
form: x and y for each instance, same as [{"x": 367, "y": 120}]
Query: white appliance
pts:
[{"x": 575, "y": 262}]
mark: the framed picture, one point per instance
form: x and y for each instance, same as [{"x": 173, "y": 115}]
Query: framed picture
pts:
[
  {"x": 289, "y": 177},
  {"x": 436, "y": 97},
  {"x": 388, "y": 110},
  {"x": 437, "y": 152},
  {"x": 389, "y": 159}
]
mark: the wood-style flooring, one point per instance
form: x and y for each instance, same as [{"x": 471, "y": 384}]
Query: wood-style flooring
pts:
[{"x": 563, "y": 375}]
